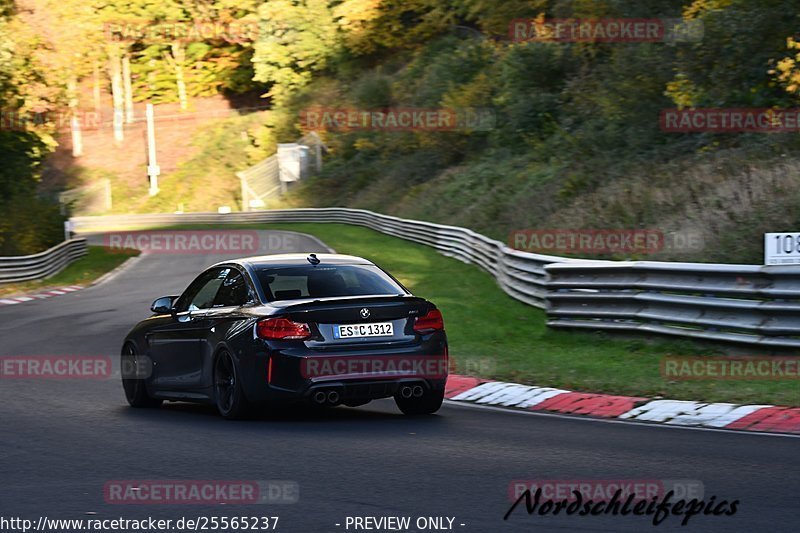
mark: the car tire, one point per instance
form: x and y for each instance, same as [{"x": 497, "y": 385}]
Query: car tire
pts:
[
  {"x": 427, "y": 404},
  {"x": 228, "y": 394},
  {"x": 135, "y": 389}
]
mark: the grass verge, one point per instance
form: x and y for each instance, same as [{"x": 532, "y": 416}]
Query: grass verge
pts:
[
  {"x": 95, "y": 263},
  {"x": 495, "y": 336}
]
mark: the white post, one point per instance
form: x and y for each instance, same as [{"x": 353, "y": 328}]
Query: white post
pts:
[
  {"x": 74, "y": 123},
  {"x": 107, "y": 195},
  {"x": 152, "y": 167},
  {"x": 77, "y": 141},
  {"x": 117, "y": 97},
  {"x": 127, "y": 88}
]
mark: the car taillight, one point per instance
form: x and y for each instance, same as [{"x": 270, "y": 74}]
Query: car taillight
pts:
[
  {"x": 282, "y": 329},
  {"x": 432, "y": 321}
]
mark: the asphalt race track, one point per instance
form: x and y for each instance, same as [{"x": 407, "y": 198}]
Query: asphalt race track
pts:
[{"x": 63, "y": 440}]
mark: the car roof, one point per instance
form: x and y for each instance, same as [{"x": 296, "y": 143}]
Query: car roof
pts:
[{"x": 287, "y": 260}]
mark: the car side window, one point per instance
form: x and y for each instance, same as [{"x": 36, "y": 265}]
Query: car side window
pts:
[
  {"x": 201, "y": 293},
  {"x": 204, "y": 299},
  {"x": 234, "y": 291}
]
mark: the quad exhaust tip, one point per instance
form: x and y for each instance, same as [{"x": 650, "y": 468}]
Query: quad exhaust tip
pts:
[
  {"x": 329, "y": 397},
  {"x": 407, "y": 391},
  {"x": 320, "y": 397},
  {"x": 333, "y": 397}
]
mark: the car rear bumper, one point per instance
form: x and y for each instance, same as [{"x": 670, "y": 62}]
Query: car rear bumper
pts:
[
  {"x": 354, "y": 392},
  {"x": 283, "y": 375}
]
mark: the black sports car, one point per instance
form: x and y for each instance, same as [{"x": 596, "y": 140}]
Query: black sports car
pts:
[{"x": 327, "y": 329}]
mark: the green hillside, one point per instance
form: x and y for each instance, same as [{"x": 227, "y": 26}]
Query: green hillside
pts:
[{"x": 571, "y": 138}]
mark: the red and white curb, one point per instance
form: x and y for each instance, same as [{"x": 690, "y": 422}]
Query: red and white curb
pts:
[
  {"x": 40, "y": 296},
  {"x": 762, "y": 418}
]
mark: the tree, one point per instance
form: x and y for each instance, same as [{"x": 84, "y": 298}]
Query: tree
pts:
[
  {"x": 296, "y": 39},
  {"x": 730, "y": 65},
  {"x": 28, "y": 224},
  {"x": 182, "y": 48}
]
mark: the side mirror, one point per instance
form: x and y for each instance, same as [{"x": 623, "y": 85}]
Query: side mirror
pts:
[{"x": 163, "y": 305}]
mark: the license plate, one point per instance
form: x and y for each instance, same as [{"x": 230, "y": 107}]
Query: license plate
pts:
[{"x": 351, "y": 331}]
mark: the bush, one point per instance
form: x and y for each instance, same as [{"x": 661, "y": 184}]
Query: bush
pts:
[{"x": 29, "y": 225}]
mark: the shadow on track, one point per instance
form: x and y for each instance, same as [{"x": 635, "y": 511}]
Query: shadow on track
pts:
[{"x": 285, "y": 415}]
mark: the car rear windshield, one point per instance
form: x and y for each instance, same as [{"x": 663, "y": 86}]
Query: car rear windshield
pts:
[{"x": 325, "y": 281}]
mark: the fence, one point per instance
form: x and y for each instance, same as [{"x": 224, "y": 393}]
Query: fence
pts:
[
  {"x": 270, "y": 178},
  {"x": 93, "y": 198},
  {"x": 43, "y": 264}
]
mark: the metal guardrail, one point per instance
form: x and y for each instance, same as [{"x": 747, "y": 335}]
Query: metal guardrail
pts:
[
  {"x": 737, "y": 303},
  {"x": 520, "y": 274},
  {"x": 43, "y": 264},
  {"x": 756, "y": 305}
]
